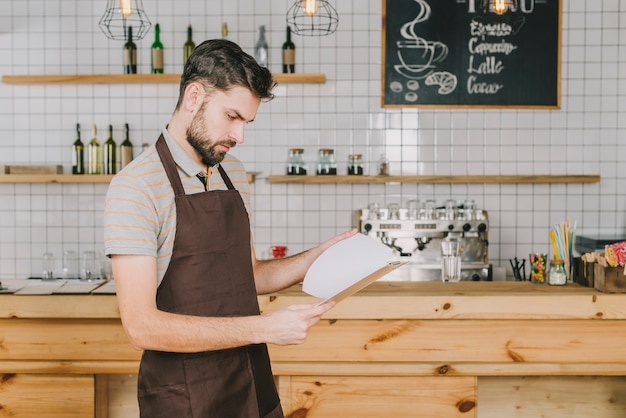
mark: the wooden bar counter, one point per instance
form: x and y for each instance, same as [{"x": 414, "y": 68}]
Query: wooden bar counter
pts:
[{"x": 395, "y": 349}]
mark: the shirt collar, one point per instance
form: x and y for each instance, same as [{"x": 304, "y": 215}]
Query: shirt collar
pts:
[{"x": 181, "y": 158}]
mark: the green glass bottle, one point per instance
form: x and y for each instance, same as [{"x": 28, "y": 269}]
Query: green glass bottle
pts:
[
  {"x": 157, "y": 51},
  {"x": 110, "y": 155},
  {"x": 189, "y": 46},
  {"x": 126, "y": 148},
  {"x": 93, "y": 153},
  {"x": 78, "y": 154}
]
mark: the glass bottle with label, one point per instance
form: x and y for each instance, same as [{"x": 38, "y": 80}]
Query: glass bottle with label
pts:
[
  {"x": 130, "y": 54},
  {"x": 556, "y": 274},
  {"x": 289, "y": 54},
  {"x": 94, "y": 153},
  {"x": 295, "y": 162},
  {"x": 78, "y": 154},
  {"x": 126, "y": 148},
  {"x": 189, "y": 46},
  {"x": 157, "y": 51},
  {"x": 110, "y": 155}
]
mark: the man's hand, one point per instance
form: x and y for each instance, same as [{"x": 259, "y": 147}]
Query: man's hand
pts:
[
  {"x": 291, "y": 325},
  {"x": 329, "y": 243}
]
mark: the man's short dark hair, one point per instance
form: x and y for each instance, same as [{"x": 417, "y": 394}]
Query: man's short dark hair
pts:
[{"x": 219, "y": 64}]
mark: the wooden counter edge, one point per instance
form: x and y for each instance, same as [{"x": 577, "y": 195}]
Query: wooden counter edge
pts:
[
  {"x": 299, "y": 368},
  {"x": 384, "y": 300}
]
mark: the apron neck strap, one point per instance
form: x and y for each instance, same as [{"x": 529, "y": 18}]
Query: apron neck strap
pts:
[
  {"x": 170, "y": 166},
  {"x": 225, "y": 177}
]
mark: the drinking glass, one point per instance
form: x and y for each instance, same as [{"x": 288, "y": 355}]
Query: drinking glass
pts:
[
  {"x": 70, "y": 264},
  {"x": 47, "y": 272},
  {"x": 90, "y": 267},
  {"x": 450, "y": 261}
]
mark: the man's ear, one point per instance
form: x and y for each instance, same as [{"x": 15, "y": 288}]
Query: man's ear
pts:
[{"x": 193, "y": 98}]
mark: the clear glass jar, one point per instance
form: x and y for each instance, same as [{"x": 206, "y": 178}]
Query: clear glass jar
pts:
[
  {"x": 383, "y": 165},
  {"x": 355, "y": 165},
  {"x": 556, "y": 274},
  {"x": 326, "y": 164},
  {"x": 295, "y": 162},
  {"x": 430, "y": 211},
  {"x": 414, "y": 207},
  {"x": 450, "y": 209}
]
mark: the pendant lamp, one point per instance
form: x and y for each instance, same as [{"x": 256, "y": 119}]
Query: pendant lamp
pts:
[
  {"x": 499, "y": 7},
  {"x": 119, "y": 15},
  {"x": 498, "y": 12},
  {"x": 312, "y": 18}
]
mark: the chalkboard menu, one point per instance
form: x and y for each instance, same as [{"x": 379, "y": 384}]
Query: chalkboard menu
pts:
[{"x": 468, "y": 53}]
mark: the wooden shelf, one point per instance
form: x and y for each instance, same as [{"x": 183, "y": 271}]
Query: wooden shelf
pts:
[
  {"x": 54, "y": 178},
  {"x": 139, "y": 78},
  {"x": 69, "y": 178},
  {"x": 313, "y": 179}
]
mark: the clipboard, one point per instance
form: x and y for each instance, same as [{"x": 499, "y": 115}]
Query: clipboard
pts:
[
  {"x": 364, "y": 282},
  {"x": 347, "y": 267}
]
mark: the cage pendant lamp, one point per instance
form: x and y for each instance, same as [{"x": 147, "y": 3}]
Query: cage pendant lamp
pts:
[
  {"x": 499, "y": 7},
  {"x": 119, "y": 15},
  {"x": 498, "y": 12},
  {"x": 312, "y": 18}
]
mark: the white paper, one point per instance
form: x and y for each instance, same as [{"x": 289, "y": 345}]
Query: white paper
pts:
[{"x": 344, "y": 264}]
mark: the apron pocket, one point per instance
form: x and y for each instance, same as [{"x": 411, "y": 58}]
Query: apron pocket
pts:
[
  {"x": 221, "y": 384},
  {"x": 164, "y": 402}
]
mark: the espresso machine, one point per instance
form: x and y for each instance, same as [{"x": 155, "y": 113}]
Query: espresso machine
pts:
[{"x": 415, "y": 232}]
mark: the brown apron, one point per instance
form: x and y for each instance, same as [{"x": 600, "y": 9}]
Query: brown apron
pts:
[{"x": 210, "y": 274}]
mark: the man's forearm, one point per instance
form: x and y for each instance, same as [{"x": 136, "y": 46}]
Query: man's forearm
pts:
[{"x": 277, "y": 274}]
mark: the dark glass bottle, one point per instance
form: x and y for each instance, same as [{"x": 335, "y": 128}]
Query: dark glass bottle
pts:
[
  {"x": 130, "y": 54},
  {"x": 109, "y": 157},
  {"x": 126, "y": 148},
  {"x": 189, "y": 46},
  {"x": 289, "y": 54},
  {"x": 157, "y": 51},
  {"x": 78, "y": 154}
]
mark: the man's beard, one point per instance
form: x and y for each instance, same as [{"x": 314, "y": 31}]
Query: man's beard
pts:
[{"x": 204, "y": 147}]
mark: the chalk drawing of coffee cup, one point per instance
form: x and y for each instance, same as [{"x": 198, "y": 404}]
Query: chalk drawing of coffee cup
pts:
[{"x": 418, "y": 56}]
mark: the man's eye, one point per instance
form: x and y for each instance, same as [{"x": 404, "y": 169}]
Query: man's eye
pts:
[{"x": 231, "y": 117}]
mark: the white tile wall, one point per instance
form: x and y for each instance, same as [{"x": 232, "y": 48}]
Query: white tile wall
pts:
[{"x": 62, "y": 37}]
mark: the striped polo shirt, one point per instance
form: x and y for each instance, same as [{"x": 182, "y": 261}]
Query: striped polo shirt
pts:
[{"x": 140, "y": 212}]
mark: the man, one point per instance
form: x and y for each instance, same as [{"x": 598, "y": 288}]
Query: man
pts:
[{"x": 185, "y": 270}]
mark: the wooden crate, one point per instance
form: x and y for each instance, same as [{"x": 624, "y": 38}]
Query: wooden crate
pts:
[
  {"x": 583, "y": 272},
  {"x": 32, "y": 169},
  {"x": 609, "y": 279}
]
